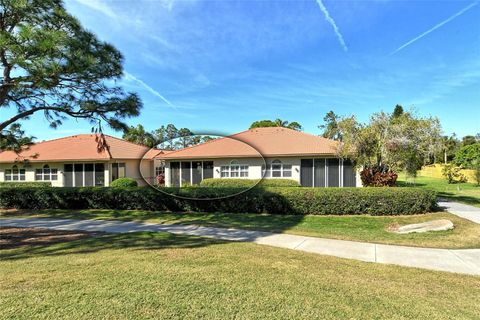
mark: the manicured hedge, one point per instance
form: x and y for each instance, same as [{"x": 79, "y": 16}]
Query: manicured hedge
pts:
[
  {"x": 338, "y": 201},
  {"x": 16, "y": 184},
  {"x": 124, "y": 183},
  {"x": 247, "y": 183}
]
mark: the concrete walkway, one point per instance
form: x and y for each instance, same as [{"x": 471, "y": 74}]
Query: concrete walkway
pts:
[
  {"x": 462, "y": 210},
  {"x": 460, "y": 261}
]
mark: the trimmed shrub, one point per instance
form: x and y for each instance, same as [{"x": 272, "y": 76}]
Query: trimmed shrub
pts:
[
  {"x": 274, "y": 200},
  {"x": 17, "y": 184},
  {"x": 247, "y": 183},
  {"x": 124, "y": 183}
]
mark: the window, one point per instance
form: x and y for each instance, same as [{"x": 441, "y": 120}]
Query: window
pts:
[
  {"x": 277, "y": 169},
  {"x": 46, "y": 174},
  {"x": 160, "y": 170},
  {"x": 234, "y": 170},
  {"x": 118, "y": 170},
  {"x": 15, "y": 174}
]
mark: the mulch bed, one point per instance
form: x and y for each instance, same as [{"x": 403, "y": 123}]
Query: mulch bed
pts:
[{"x": 14, "y": 237}]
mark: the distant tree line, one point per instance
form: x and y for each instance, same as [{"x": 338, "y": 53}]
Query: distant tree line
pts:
[{"x": 167, "y": 137}]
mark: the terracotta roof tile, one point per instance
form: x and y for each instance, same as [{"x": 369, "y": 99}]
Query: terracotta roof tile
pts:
[
  {"x": 80, "y": 147},
  {"x": 273, "y": 141}
]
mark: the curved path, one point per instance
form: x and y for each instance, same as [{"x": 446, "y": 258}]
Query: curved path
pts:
[{"x": 460, "y": 261}]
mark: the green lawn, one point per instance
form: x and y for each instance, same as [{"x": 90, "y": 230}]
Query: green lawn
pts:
[
  {"x": 163, "y": 276},
  {"x": 468, "y": 193},
  {"x": 360, "y": 228}
]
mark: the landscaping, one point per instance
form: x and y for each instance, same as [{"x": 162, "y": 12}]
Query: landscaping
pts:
[
  {"x": 468, "y": 193},
  {"x": 287, "y": 200},
  {"x": 160, "y": 275},
  {"x": 366, "y": 228}
]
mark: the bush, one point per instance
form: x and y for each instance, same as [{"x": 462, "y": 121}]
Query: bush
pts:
[
  {"x": 17, "y": 184},
  {"x": 247, "y": 183},
  {"x": 377, "y": 176},
  {"x": 124, "y": 183},
  {"x": 452, "y": 173},
  {"x": 274, "y": 200}
]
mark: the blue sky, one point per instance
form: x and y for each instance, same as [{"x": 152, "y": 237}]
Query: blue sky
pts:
[{"x": 220, "y": 65}]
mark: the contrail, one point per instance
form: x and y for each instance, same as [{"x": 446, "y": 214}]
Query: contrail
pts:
[
  {"x": 459, "y": 13},
  {"x": 149, "y": 89},
  {"x": 334, "y": 25}
]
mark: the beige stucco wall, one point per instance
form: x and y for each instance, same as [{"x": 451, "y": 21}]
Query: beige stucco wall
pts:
[
  {"x": 254, "y": 167},
  {"x": 133, "y": 169}
]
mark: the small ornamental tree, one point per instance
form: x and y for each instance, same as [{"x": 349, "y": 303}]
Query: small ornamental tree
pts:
[
  {"x": 53, "y": 66},
  {"x": 387, "y": 144}
]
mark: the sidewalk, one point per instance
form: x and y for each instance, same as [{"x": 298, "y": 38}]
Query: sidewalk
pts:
[
  {"x": 460, "y": 261},
  {"x": 462, "y": 210}
]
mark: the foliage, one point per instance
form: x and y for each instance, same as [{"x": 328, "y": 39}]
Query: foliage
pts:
[
  {"x": 330, "y": 127},
  {"x": 276, "y": 123},
  {"x": 376, "y": 176},
  {"x": 247, "y": 183},
  {"x": 452, "y": 173},
  {"x": 397, "y": 112},
  {"x": 402, "y": 143},
  {"x": 476, "y": 170},
  {"x": 281, "y": 200},
  {"x": 138, "y": 135},
  {"x": 51, "y": 65},
  {"x": 469, "y": 140},
  {"x": 16, "y": 184},
  {"x": 124, "y": 183},
  {"x": 14, "y": 138},
  {"x": 450, "y": 145},
  {"x": 468, "y": 156}
]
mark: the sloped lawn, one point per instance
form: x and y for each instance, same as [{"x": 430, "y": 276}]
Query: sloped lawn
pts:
[
  {"x": 468, "y": 193},
  {"x": 163, "y": 276}
]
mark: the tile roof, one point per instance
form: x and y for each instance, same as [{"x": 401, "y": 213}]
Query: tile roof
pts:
[
  {"x": 272, "y": 141},
  {"x": 80, "y": 148}
]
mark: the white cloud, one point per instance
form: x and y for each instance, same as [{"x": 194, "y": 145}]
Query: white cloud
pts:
[
  {"x": 130, "y": 77},
  {"x": 334, "y": 25},
  {"x": 459, "y": 13},
  {"x": 99, "y": 6}
]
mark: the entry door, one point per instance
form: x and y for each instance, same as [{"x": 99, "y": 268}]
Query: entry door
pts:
[
  {"x": 68, "y": 175},
  {"x": 306, "y": 172}
]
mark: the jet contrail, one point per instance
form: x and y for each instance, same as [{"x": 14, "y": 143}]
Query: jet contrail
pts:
[
  {"x": 149, "y": 89},
  {"x": 459, "y": 13},
  {"x": 334, "y": 25}
]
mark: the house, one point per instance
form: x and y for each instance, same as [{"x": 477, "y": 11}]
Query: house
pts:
[
  {"x": 273, "y": 152},
  {"x": 81, "y": 160},
  {"x": 97, "y": 160}
]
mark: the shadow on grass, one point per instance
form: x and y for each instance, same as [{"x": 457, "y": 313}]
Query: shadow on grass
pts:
[
  {"x": 461, "y": 198},
  {"x": 253, "y": 221},
  {"x": 97, "y": 243}
]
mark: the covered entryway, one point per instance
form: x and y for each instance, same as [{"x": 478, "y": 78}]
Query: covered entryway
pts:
[{"x": 327, "y": 172}]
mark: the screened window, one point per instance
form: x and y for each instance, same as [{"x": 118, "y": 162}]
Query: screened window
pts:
[
  {"x": 15, "y": 174},
  {"x": 46, "y": 173},
  {"x": 234, "y": 170},
  {"x": 118, "y": 170},
  {"x": 277, "y": 169}
]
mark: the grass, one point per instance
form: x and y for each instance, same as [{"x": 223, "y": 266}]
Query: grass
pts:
[
  {"x": 164, "y": 276},
  {"x": 468, "y": 193},
  {"x": 358, "y": 228}
]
